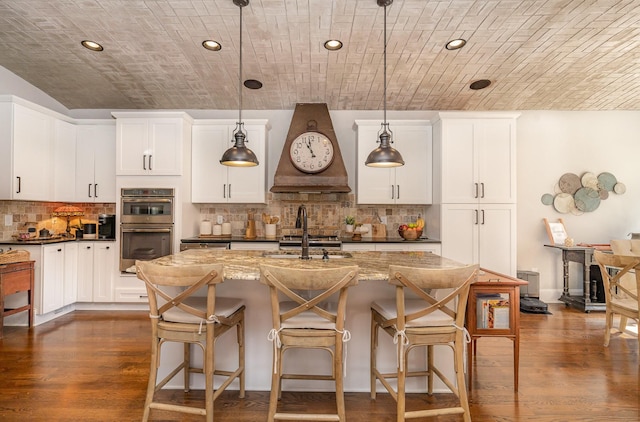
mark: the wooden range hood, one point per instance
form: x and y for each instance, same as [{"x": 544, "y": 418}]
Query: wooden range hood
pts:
[{"x": 310, "y": 118}]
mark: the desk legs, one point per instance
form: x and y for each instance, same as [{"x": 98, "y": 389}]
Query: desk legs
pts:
[{"x": 471, "y": 353}]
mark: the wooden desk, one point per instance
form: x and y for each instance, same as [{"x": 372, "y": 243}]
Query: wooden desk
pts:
[
  {"x": 583, "y": 255},
  {"x": 493, "y": 310},
  {"x": 14, "y": 278}
]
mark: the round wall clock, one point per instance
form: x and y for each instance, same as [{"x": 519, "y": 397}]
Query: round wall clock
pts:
[{"x": 311, "y": 152}]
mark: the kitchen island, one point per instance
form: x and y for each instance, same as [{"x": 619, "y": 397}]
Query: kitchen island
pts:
[{"x": 242, "y": 274}]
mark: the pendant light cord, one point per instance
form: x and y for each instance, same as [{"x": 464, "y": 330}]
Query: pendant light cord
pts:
[
  {"x": 240, "y": 75},
  {"x": 385, "y": 65}
]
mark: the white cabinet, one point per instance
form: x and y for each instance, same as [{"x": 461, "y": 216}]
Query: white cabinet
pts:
[
  {"x": 151, "y": 143},
  {"x": 484, "y": 234},
  {"x": 26, "y": 162},
  {"x": 70, "y": 285},
  {"x": 214, "y": 183},
  {"x": 478, "y": 158},
  {"x": 96, "y": 271},
  {"x": 409, "y": 184},
  {"x": 64, "y": 161},
  {"x": 96, "y": 163},
  {"x": 52, "y": 288},
  {"x": 393, "y": 247}
]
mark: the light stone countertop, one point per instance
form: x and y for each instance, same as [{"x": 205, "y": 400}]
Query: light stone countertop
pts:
[{"x": 245, "y": 265}]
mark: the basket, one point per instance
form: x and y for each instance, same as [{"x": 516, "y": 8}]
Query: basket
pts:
[{"x": 14, "y": 256}]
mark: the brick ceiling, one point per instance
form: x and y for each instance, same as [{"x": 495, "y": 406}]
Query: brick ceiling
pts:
[{"x": 539, "y": 54}]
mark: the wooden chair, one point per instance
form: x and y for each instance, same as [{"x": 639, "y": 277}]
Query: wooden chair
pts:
[
  {"x": 620, "y": 299},
  {"x": 179, "y": 316},
  {"x": 627, "y": 247},
  {"x": 426, "y": 321},
  {"x": 313, "y": 323}
]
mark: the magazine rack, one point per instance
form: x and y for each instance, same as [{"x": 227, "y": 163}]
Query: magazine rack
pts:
[{"x": 493, "y": 310}]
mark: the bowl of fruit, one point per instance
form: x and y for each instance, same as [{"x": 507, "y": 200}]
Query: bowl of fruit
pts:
[{"x": 411, "y": 231}]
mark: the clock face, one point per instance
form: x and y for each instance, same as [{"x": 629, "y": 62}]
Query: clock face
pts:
[{"x": 311, "y": 152}]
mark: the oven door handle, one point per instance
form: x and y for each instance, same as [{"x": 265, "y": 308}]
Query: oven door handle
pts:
[
  {"x": 147, "y": 200},
  {"x": 125, "y": 230}
]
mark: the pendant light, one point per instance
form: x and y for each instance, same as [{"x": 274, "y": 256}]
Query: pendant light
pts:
[
  {"x": 239, "y": 155},
  {"x": 385, "y": 155}
]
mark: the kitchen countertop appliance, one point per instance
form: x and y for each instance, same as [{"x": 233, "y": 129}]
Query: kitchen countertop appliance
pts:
[{"x": 106, "y": 226}]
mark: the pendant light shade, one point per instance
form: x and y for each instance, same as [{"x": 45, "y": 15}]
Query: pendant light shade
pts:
[
  {"x": 239, "y": 155},
  {"x": 385, "y": 155}
]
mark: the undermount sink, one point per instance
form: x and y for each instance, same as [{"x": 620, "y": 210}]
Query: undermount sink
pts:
[{"x": 297, "y": 255}]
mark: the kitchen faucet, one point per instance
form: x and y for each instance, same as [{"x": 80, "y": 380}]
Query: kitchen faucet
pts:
[{"x": 301, "y": 221}]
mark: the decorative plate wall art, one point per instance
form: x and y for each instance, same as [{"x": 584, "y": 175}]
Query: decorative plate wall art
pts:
[{"x": 579, "y": 194}]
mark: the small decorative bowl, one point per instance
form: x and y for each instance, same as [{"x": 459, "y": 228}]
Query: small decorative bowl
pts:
[{"x": 410, "y": 234}]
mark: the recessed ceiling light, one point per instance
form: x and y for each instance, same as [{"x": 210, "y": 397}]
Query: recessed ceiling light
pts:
[
  {"x": 455, "y": 44},
  {"x": 480, "y": 84},
  {"x": 333, "y": 45},
  {"x": 212, "y": 45},
  {"x": 91, "y": 45},
  {"x": 253, "y": 84}
]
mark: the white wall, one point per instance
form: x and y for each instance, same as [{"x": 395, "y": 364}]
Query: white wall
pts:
[
  {"x": 11, "y": 84},
  {"x": 551, "y": 143}
]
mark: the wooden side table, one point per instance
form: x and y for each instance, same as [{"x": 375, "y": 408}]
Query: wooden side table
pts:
[
  {"x": 493, "y": 310},
  {"x": 14, "y": 278}
]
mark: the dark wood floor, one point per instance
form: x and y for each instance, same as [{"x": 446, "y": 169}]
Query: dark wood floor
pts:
[{"x": 93, "y": 366}]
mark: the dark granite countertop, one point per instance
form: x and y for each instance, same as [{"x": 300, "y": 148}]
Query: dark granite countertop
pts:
[
  {"x": 37, "y": 241},
  {"x": 347, "y": 239}
]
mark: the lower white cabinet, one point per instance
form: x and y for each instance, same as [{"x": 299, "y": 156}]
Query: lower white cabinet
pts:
[
  {"x": 484, "y": 234},
  {"x": 52, "y": 287},
  {"x": 70, "y": 285},
  {"x": 96, "y": 271},
  {"x": 393, "y": 247}
]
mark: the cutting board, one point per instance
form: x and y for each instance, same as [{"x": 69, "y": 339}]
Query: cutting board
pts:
[{"x": 378, "y": 230}]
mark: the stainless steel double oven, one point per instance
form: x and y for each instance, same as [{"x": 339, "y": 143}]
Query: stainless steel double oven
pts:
[{"x": 146, "y": 224}]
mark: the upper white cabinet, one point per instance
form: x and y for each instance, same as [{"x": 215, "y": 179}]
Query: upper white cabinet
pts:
[
  {"x": 64, "y": 161},
  {"x": 96, "y": 162},
  {"x": 478, "y": 158},
  {"x": 409, "y": 184},
  {"x": 151, "y": 143},
  {"x": 214, "y": 183},
  {"x": 26, "y": 162}
]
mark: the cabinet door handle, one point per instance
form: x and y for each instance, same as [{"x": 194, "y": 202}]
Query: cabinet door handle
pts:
[
  {"x": 107, "y": 247},
  {"x": 482, "y": 190},
  {"x": 398, "y": 189},
  {"x": 482, "y": 217},
  {"x": 229, "y": 190},
  {"x": 476, "y": 215},
  {"x": 224, "y": 190},
  {"x": 89, "y": 190},
  {"x": 393, "y": 192},
  {"x": 95, "y": 190},
  {"x": 59, "y": 250},
  {"x": 144, "y": 162},
  {"x": 150, "y": 157},
  {"x": 88, "y": 247},
  {"x": 19, "y": 184},
  {"x": 476, "y": 186}
]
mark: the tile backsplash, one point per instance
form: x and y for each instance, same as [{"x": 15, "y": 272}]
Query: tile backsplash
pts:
[
  {"x": 326, "y": 213},
  {"x": 26, "y": 214}
]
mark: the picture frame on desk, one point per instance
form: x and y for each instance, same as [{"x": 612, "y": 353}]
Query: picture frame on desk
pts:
[{"x": 557, "y": 232}]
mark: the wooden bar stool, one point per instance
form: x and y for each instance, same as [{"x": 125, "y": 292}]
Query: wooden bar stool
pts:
[
  {"x": 314, "y": 323},
  {"x": 179, "y": 316},
  {"x": 423, "y": 322}
]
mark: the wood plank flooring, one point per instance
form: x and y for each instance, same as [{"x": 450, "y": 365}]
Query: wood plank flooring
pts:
[{"x": 93, "y": 366}]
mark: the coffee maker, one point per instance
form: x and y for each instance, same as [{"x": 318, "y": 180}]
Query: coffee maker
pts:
[{"x": 106, "y": 226}]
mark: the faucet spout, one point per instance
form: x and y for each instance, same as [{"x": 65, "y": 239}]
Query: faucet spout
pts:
[{"x": 301, "y": 222}]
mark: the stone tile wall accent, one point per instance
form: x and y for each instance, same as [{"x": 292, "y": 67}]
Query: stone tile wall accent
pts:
[
  {"x": 326, "y": 213},
  {"x": 38, "y": 214}
]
